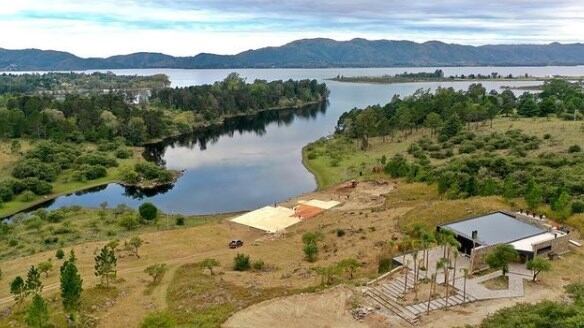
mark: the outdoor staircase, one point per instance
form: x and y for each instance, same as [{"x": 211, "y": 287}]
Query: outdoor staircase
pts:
[{"x": 389, "y": 295}]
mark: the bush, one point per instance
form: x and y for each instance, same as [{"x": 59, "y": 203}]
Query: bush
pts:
[
  {"x": 37, "y": 186},
  {"x": 180, "y": 221},
  {"x": 90, "y": 172},
  {"x": 148, "y": 211},
  {"x": 55, "y": 216},
  {"x": 28, "y": 196},
  {"x": 385, "y": 265},
  {"x": 151, "y": 171},
  {"x": 97, "y": 159},
  {"x": 258, "y": 265},
  {"x": 34, "y": 168},
  {"x": 129, "y": 221},
  {"x": 241, "y": 262},
  {"x": 574, "y": 149},
  {"x": 60, "y": 254},
  {"x": 340, "y": 232},
  {"x": 123, "y": 153},
  {"x": 158, "y": 320},
  {"x": 6, "y": 193},
  {"x": 578, "y": 207}
]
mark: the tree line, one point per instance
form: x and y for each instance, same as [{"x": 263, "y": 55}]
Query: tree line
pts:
[{"x": 106, "y": 116}]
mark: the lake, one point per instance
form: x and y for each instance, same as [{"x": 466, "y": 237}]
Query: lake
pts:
[{"x": 256, "y": 161}]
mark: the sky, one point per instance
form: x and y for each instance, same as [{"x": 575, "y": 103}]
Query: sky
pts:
[{"x": 188, "y": 27}]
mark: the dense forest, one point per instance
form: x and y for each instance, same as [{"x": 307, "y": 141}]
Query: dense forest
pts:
[
  {"x": 105, "y": 116},
  {"x": 233, "y": 96},
  {"x": 52, "y": 83},
  {"x": 463, "y": 163}
]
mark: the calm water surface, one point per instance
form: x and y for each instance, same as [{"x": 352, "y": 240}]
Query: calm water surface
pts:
[{"x": 253, "y": 162}]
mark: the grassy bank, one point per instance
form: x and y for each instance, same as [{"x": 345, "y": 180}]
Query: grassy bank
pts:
[
  {"x": 339, "y": 158},
  {"x": 64, "y": 184}
]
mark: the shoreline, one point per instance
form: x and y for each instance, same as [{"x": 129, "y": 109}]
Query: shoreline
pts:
[
  {"x": 382, "y": 80},
  {"x": 116, "y": 180}
]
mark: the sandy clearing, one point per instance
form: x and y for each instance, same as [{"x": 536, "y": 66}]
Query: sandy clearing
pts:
[{"x": 268, "y": 218}]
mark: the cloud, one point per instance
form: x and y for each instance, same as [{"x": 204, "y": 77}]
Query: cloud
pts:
[{"x": 186, "y": 27}]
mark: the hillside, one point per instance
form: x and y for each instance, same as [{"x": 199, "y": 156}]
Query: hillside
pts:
[{"x": 314, "y": 53}]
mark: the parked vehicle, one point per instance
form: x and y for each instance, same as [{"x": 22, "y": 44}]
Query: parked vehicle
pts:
[{"x": 235, "y": 243}]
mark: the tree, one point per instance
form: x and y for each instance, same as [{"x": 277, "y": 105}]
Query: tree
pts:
[
  {"x": 327, "y": 274},
  {"x": 349, "y": 266},
  {"x": 241, "y": 262},
  {"x": 537, "y": 265},
  {"x": 105, "y": 265},
  {"x": 45, "y": 267},
  {"x": 209, "y": 264},
  {"x": 33, "y": 284},
  {"x": 71, "y": 286},
  {"x": 452, "y": 126},
  {"x": 533, "y": 194},
  {"x": 148, "y": 211},
  {"x": 133, "y": 245},
  {"x": 18, "y": 289},
  {"x": 156, "y": 271},
  {"x": 311, "y": 251},
  {"x": 37, "y": 314},
  {"x": 501, "y": 256},
  {"x": 561, "y": 205},
  {"x": 433, "y": 122}
]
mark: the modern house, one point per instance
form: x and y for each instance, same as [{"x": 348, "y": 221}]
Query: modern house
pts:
[{"x": 529, "y": 235}]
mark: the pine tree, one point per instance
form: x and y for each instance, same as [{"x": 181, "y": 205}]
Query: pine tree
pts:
[
  {"x": 18, "y": 289},
  {"x": 105, "y": 265},
  {"x": 37, "y": 314},
  {"x": 33, "y": 284},
  {"x": 71, "y": 286}
]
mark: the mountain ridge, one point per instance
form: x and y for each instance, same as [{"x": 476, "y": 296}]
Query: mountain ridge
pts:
[{"x": 313, "y": 53}]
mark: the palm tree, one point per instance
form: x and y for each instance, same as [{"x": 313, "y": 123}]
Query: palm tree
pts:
[
  {"x": 443, "y": 264},
  {"x": 465, "y": 272},
  {"x": 432, "y": 284},
  {"x": 404, "y": 246},
  {"x": 427, "y": 239}
]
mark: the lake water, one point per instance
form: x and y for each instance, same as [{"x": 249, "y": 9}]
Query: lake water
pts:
[{"x": 253, "y": 162}]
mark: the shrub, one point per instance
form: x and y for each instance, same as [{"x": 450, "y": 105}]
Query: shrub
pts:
[
  {"x": 56, "y": 216},
  {"x": 158, "y": 320},
  {"x": 310, "y": 251},
  {"x": 129, "y": 221},
  {"x": 384, "y": 265},
  {"x": 258, "y": 265},
  {"x": 578, "y": 206},
  {"x": 340, "y": 232},
  {"x": 6, "y": 193},
  {"x": 123, "y": 153},
  {"x": 90, "y": 172},
  {"x": 97, "y": 159},
  {"x": 12, "y": 242},
  {"x": 60, "y": 254},
  {"x": 34, "y": 168},
  {"x": 547, "y": 136},
  {"x": 28, "y": 196},
  {"x": 241, "y": 262},
  {"x": 180, "y": 221},
  {"x": 37, "y": 186},
  {"x": 574, "y": 149},
  {"x": 148, "y": 211}
]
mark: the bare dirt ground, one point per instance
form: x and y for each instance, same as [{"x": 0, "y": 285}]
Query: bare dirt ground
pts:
[{"x": 320, "y": 310}]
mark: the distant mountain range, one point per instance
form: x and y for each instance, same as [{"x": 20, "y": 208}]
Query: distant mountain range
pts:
[{"x": 314, "y": 53}]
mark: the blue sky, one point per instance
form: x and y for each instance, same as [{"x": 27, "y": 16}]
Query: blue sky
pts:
[{"x": 188, "y": 27}]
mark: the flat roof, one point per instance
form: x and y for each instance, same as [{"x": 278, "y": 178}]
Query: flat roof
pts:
[
  {"x": 494, "y": 228},
  {"x": 527, "y": 243}
]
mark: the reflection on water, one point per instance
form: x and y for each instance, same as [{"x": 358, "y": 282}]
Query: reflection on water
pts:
[
  {"x": 242, "y": 124},
  {"x": 256, "y": 160},
  {"x": 247, "y": 162}
]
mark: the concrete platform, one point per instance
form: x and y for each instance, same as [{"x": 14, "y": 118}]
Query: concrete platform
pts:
[{"x": 270, "y": 219}]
